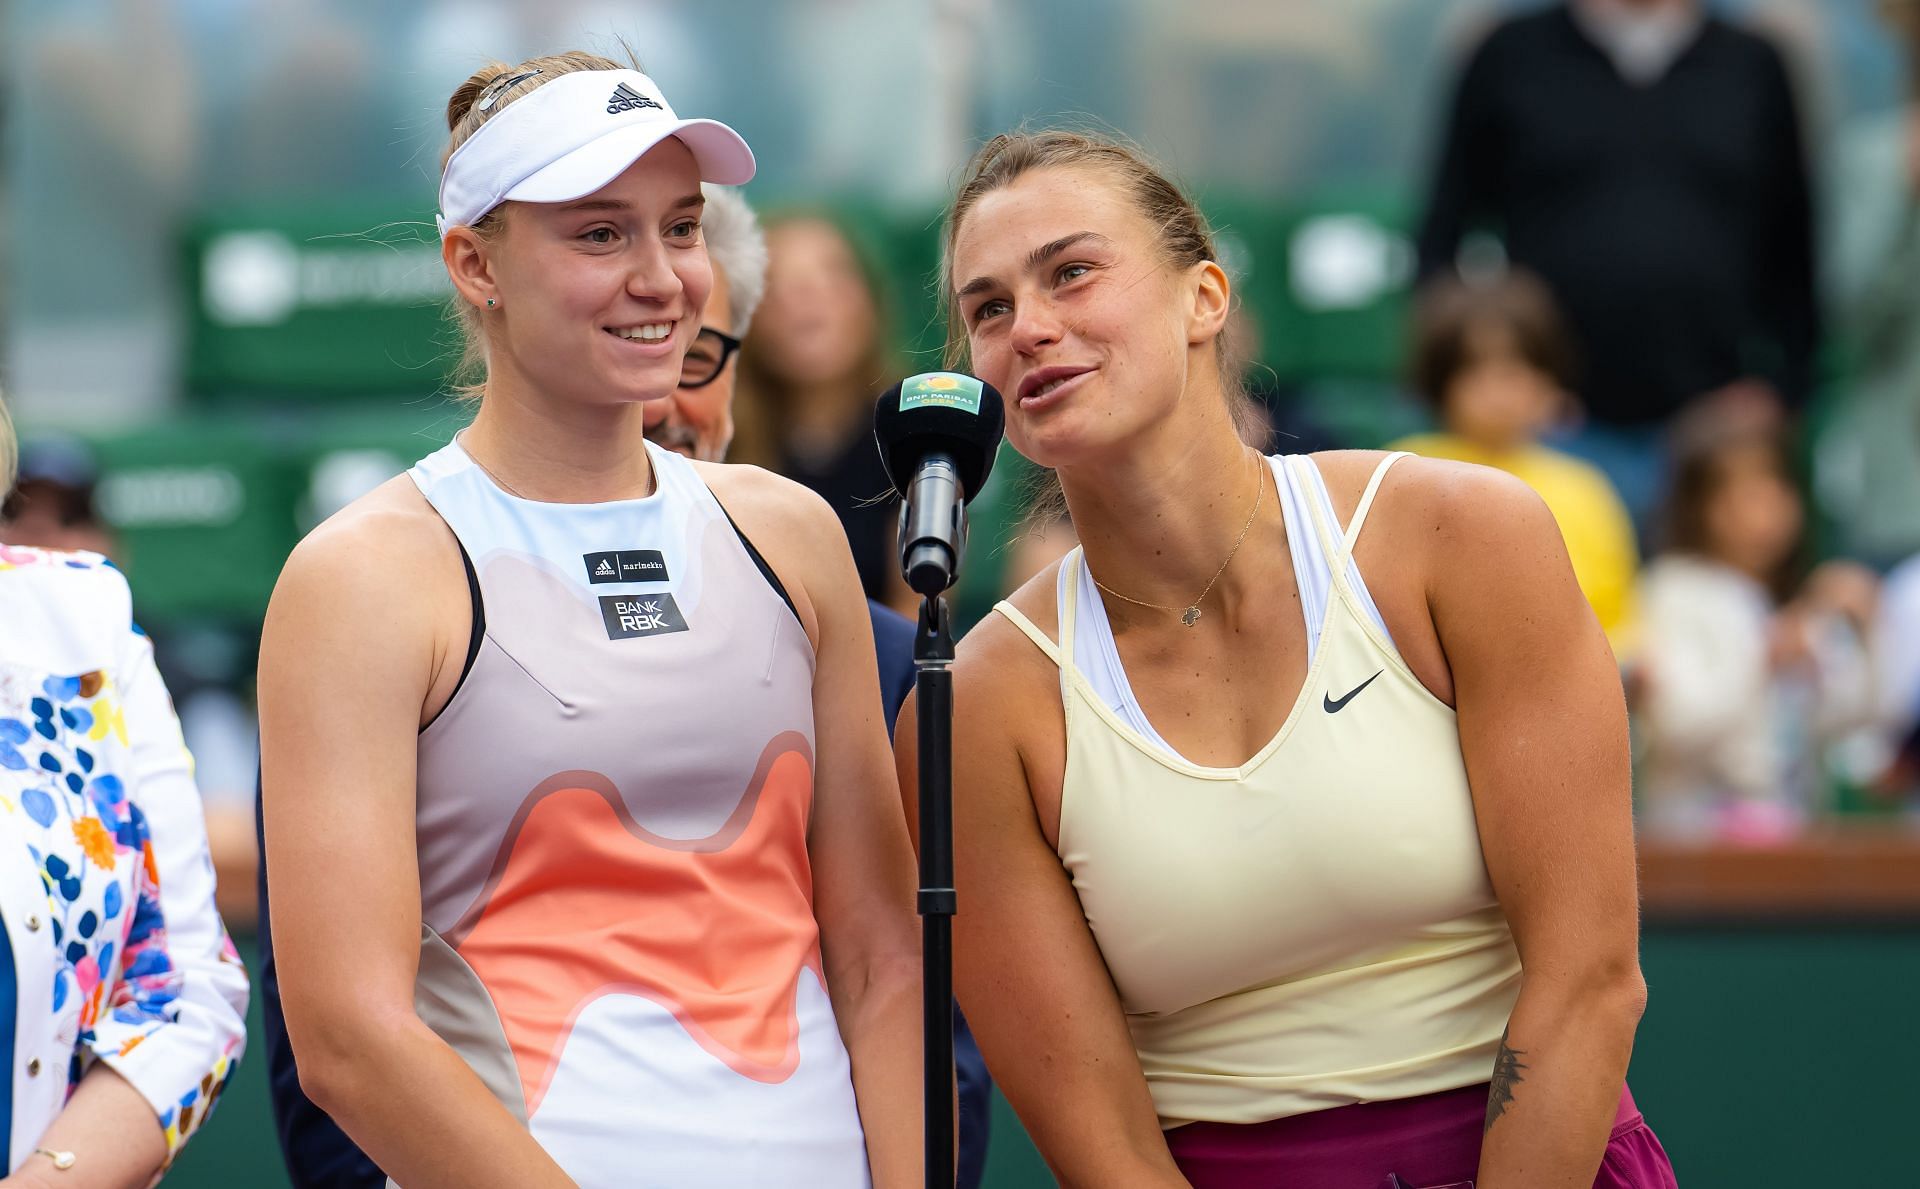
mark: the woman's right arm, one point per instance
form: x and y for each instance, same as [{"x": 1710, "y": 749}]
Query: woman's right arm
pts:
[
  {"x": 1026, "y": 967},
  {"x": 347, "y": 657}
]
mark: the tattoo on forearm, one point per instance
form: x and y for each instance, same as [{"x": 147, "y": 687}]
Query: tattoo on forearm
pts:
[{"x": 1507, "y": 1070}]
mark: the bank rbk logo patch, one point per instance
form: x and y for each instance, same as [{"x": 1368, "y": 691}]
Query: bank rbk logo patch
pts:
[{"x": 640, "y": 615}]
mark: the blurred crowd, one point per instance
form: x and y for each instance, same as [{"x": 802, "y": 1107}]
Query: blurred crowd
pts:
[
  {"x": 1646, "y": 352},
  {"x": 1639, "y": 287}
]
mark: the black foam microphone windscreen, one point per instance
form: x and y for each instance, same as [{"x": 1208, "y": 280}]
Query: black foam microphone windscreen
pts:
[{"x": 933, "y": 413}]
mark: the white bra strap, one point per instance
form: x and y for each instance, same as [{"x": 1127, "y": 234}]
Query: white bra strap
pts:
[
  {"x": 1070, "y": 567},
  {"x": 1305, "y": 487},
  {"x": 1366, "y": 504}
]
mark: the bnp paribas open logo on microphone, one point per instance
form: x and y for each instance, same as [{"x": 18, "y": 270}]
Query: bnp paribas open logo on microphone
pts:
[{"x": 943, "y": 390}]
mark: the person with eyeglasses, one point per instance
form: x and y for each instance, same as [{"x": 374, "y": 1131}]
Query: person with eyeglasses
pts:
[
  {"x": 588, "y": 868},
  {"x": 697, "y": 420}
]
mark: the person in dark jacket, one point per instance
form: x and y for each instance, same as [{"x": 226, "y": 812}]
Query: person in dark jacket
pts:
[{"x": 1645, "y": 158}]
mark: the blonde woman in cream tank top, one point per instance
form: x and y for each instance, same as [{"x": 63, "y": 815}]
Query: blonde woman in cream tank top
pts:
[{"x": 1292, "y": 812}]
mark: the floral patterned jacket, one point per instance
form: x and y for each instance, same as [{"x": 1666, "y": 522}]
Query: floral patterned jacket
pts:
[{"x": 106, "y": 884}]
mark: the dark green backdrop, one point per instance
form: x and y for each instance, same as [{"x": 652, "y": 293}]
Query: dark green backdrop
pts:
[{"x": 1770, "y": 1058}]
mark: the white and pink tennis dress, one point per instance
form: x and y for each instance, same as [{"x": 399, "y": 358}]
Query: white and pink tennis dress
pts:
[{"x": 616, "y": 898}]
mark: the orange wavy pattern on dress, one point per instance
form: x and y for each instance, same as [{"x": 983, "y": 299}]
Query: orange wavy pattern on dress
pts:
[{"x": 585, "y": 902}]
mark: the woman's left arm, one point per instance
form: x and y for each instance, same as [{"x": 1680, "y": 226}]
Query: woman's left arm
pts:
[
  {"x": 1543, "y": 729},
  {"x": 108, "y": 1126},
  {"x": 172, "y": 1026},
  {"x": 863, "y": 869}
]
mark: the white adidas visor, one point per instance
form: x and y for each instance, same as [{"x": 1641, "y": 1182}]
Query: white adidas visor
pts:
[{"x": 567, "y": 138}]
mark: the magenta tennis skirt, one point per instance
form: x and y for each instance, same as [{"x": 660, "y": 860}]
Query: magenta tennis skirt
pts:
[{"x": 1431, "y": 1142}]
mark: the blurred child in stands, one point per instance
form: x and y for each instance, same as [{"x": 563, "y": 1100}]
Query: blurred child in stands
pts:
[
  {"x": 1896, "y": 644},
  {"x": 1746, "y": 677},
  {"x": 1492, "y": 358}
]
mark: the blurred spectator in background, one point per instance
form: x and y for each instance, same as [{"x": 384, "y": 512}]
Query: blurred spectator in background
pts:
[
  {"x": 1896, "y": 644},
  {"x": 1644, "y": 157},
  {"x": 820, "y": 352},
  {"x": 51, "y": 505},
  {"x": 1745, "y": 678},
  {"x": 1492, "y": 358},
  {"x": 1868, "y": 464}
]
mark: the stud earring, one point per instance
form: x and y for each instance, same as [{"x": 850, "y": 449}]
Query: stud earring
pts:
[{"x": 491, "y": 303}]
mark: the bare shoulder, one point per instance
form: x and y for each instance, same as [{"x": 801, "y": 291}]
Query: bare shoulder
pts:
[
  {"x": 999, "y": 664},
  {"x": 751, "y": 493},
  {"x": 388, "y": 551},
  {"x": 1441, "y": 536},
  {"x": 796, "y": 533},
  {"x": 1432, "y": 502},
  {"x": 391, "y": 530}
]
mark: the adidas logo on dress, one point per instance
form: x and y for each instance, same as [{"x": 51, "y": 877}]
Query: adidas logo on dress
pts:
[
  {"x": 606, "y": 567},
  {"x": 625, "y": 98}
]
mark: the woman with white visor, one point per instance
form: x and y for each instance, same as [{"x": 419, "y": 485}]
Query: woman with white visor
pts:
[{"x": 587, "y": 862}]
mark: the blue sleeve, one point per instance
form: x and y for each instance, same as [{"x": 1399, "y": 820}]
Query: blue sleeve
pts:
[
  {"x": 893, "y": 645},
  {"x": 317, "y": 1153},
  {"x": 976, "y": 1103}
]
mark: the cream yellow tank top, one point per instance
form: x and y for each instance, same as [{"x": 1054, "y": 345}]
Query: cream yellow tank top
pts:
[{"x": 1313, "y": 928}]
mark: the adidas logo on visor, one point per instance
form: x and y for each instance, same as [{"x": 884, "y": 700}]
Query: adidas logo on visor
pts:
[{"x": 625, "y": 98}]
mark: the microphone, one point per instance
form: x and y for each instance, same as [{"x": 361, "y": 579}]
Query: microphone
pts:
[{"x": 937, "y": 433}]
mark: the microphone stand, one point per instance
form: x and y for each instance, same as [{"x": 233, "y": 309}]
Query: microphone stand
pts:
[{"x": 933, "y": 688}]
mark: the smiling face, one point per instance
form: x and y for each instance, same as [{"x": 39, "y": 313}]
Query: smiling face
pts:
[
  {"x": 600, "y": 298},
  {"x": 698, "y": 422},
  {"x": 1072, "y": 311}
]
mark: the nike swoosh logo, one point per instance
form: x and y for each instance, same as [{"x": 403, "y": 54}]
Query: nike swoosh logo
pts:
[{"x": 1334, "y": 707}]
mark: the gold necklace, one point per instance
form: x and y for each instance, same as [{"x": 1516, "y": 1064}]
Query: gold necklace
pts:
[
  {"x": 502, "y": 484},
  {"x": 1191, "y": 615}
]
